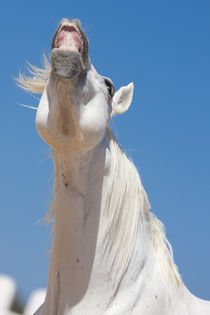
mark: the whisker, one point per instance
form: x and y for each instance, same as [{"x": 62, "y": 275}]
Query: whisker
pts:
[
  {"x": 35, "y": 97},
  {"x": 28, "y": 106}
]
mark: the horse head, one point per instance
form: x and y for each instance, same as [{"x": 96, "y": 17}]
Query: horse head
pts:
[{"x": 77, "y": 103}]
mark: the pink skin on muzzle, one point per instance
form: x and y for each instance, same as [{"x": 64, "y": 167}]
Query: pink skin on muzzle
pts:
[{"x": 68, "y": 39}]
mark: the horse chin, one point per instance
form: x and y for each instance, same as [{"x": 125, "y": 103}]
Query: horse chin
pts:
[
  {"x": 69, "y": 56},
  {"x": 66, "y": 63}
]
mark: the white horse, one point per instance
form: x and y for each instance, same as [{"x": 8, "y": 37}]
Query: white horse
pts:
[{"x": 109, "y": 255}]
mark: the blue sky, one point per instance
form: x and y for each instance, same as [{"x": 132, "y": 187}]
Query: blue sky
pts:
[{"x": 164, "y": 48}]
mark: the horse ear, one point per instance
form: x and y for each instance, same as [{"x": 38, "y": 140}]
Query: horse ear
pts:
[{"x": 122, "y": 99}]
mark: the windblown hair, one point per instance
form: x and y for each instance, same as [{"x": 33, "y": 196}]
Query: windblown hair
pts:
[
  {"x": 37, "y": 82},
  {"x": 128, "y": 214},
  {"x": 127, "y": 207}
]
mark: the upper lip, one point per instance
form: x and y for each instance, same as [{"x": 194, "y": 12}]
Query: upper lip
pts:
[{"x": 63, "y": 27}]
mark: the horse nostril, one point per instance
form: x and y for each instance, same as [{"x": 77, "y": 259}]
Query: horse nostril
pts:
[
  {"x": 77, "y": 22},
  {"x": 64, "y": 20}
]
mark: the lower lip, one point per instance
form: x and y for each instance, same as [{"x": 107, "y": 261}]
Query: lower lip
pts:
[{"x": 68, "y": 38}]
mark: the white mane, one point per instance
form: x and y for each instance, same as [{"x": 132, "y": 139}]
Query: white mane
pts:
[
  {"x": 37, "y": 82},
  {"x": 126, "y": 193},
  {"x": 128, "y": 214}
]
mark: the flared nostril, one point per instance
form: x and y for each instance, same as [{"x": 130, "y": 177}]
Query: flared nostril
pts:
[
  {"x": 65, "y": 20},
  {"x": 77, "y": 22}
]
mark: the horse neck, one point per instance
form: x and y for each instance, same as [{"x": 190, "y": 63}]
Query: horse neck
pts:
[
  {"x": 76, "y": 207},
  {"x": 97, "y": 240}
]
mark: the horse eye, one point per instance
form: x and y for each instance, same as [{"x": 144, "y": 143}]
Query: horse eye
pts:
[{"x": 110, "y": 87}]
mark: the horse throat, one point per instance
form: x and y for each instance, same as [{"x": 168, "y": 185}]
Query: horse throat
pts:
[{"x": 76, "y": 206}]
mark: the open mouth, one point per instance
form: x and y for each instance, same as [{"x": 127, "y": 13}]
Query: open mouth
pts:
[
  {"x": 69, "y": 55},
  {"x": 68, "y": 38}
]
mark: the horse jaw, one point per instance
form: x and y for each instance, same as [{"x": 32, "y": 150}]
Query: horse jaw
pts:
[
  {"x": 78, "y": 103},
  {"x": 75, "y": 108},
  {"x": 69, "y": 55}
]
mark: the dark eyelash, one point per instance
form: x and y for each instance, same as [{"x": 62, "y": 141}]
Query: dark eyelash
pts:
[{"x": 110, "y": 87}]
